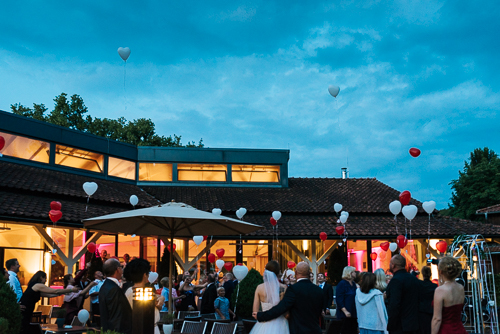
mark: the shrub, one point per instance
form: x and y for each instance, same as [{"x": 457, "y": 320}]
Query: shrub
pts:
[
  {"x": 246, "y": 294},
  {"x": 4, "y": 326},
  {"x": 164, "y": 266},
  {"x": 9, "y": 309}
]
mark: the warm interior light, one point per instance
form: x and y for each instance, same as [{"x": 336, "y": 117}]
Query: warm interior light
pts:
[
  {"x": 77, "y": 158},
  {"x": 305, "y": 245},
  {"x": 25, "y": 148},
  {"x": 255, "y": 173},
  {"x": 155, "y": 172},
  {"x": 201, "y": 172},
  {"x": 121, "y": 168}
]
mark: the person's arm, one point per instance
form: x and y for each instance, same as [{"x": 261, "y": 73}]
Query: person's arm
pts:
[
  {"x": 438, "y": 311},
  {"x": 284, "y": 305},
  {"x": 90, "y": 286},
  {"x": 197, "y": 287},
  {"x": 160, "y": 300},
  {"x": 256, "y": 301},
  {"x": 341, "y": 292},
  {"x": 217, "y": 306},
  {"x": 43, "y": 289}
]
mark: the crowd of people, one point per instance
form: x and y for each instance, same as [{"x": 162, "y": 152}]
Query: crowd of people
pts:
[{"x": 365, "y": 303}]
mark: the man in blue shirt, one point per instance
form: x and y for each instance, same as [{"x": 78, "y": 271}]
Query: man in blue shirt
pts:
[
  {"x": 94, "y": 295},
  {"x": 13, "y": 266}
]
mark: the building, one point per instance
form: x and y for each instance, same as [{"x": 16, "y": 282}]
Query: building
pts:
[{"x": 43, "y": 163}]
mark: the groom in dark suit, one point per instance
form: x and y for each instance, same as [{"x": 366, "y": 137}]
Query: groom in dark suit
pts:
[{"x": 305, "y": 302}]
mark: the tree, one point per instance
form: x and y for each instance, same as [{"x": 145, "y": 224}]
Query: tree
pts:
[
  {"x": 71, "y": 114},
  {"x": 164, "y": 266},
  {"x": 477, "y": 186},
  {"x": 245, "y": 291},
  {"x": 10, "y": 313}
]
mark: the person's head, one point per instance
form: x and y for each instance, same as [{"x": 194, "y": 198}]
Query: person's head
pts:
[
  {"x": 273, "y": 266},
  {"x": 39, "y": 277},
  {"x": 180, "y": 278},
  {"x": 426, "y": 272},
  {"x": 348, "y": 273},
  {"x": 137, "y": 271},
  {"x": 292, "y": 280},
  {"x": 164, "y": 282},
  {"x": 221, "y": 292},
  {"x": 104, "y": 253},
  {"x": 368, "y": 282},
  {"x": 12, "y": 265},
  {"x": 203, "y": 279},
  {"x": 229, "y": 277},
  {"x": 5, "y": 273},
  {"x": 381, "y": 279},
  {"x": 321, "y": 278},
  {"x": 398, "y": 262},
  {"x": 112, "y": 268},
  {"x": 449, "y": 268},
  {"x": 68, "y": 279},
  {"x": 98, "y": 275},
  {"x": 211, "y": 278},
  {"x": 311, "y": 277},
  {"x": 358, "y": 276},
  {"x": 302, "y": 270},
  {"x": 126, "y": 258}
]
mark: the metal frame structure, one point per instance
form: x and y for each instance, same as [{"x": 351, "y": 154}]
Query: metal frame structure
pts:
[{"x": 479, "y": 314}]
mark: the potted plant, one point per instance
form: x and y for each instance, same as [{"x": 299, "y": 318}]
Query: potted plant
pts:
[
  {"x": 60, "y": 316},
  {"x": 168, "y": 323},
  {"x": 333, "y": 309}
]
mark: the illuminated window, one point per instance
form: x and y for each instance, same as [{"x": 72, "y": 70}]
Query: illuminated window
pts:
[
  {"x": 121, "y": 168},
  {"x": 25, "y": 148},
  {"x": 155, "y": 172},
  {"x": 76, "y": 158},
  {"x": 199, "y": 172},
  {"x": 255, "y": 173}
]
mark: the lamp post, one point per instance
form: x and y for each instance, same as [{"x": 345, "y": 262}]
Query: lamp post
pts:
[{"x": 144, "y": 311}]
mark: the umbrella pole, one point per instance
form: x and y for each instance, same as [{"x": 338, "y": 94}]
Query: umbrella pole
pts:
[{"x": 170, "y": 273}]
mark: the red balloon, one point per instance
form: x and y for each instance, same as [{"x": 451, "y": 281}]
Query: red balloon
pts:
[
  {"x": 220, "y": 252},
  {"x": 55, "y": 205},
  {"x": 55, "y": 215},
  {"x": 168, "y": 247},
  {"x": 323, "y": 236},
  {"x": 228, "y": 266},
  {"x": 401, "y": 241},
  {"x": 91, "y": 247},
  {"x": 373, "y": 256},
  {"x": 414, "y": 152},
  {"x": 442, "y": 246},
  {"x": 340, "y": 230},
  {"x": 384, "y": 246},
  {"x": 211, "y": 257},
  {"x": 2, "y": 142},
  {"x": 239, "y": 264},
  {"x": 273, "y": 221},
  {"x": 115, "y": 257},
  {"x": 405, "y": 197},
  {"x": 291, "y": 265},
  {"x": 205, "y": 237}
]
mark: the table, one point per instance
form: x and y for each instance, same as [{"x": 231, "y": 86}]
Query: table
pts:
[{"x": 52, "y": 328}]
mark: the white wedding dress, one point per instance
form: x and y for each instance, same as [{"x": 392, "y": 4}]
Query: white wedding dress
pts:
[{"x": 280, "y": 324}]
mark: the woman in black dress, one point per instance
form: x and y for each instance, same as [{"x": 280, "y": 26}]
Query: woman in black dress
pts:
[
  {"x": 36, "y": 289},
  {"x": 188, "y": 303}
]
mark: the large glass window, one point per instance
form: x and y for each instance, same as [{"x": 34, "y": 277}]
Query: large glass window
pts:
[
  {"x": 76, "y": 158},
  {"x": 255, "y": 173},
  {"x": 155, "y": 172},
  {"x": 25, "y": 148},
  {"x": 121, "y": 168},
  {"x": 201, "y": 172}
]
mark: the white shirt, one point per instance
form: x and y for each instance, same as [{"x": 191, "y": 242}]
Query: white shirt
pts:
[
  {"x": 96, "y": 288},
  {"x": 322, "y": 285},
  {"x": 300, "y": 279},
  {"x": 15, "y": 285}
]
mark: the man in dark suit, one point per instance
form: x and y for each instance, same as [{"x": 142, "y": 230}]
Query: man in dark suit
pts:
[
  {"x": 114, "y": 307},
  {"x": 209, "y": 296},
  {"x": 402, "y": 297},
  {"x": 327, "y": 291},
  {"x": 426, "y": 296},
  {"x": 303, "y": 300},
  {"x": 229, "y": 286}
]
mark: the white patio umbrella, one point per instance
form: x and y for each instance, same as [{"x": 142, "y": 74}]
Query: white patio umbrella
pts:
[{"x": 172, "y": 220}]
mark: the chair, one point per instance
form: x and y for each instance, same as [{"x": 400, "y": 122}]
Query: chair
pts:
[
  {"x": 35, "y": 329},
  {"x": 210, "y": 323},
  {"x": 76, "y": 322},
  {"x": 208, "y": 316},
  {"x": 36, "y": 318},
  {"x": 46, "y": 312},
  {"x": 193, "y": 319},
  {"x": 224, "y": 328},
  {"x": 194, "y": 327},
  {"x": 248, "y": 325},
  {"x": 184, "y": 314}
]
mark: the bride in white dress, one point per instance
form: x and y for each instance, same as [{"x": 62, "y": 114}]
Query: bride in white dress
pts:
[{"x": 268, "y": 295}]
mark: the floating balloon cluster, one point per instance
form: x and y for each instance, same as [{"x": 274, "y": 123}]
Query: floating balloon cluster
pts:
[{"x": 341, "y": 229}]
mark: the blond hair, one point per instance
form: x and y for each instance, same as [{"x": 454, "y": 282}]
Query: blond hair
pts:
[
  {"x": 346, "y": 273},
  {"x": 449, "y": 267}
]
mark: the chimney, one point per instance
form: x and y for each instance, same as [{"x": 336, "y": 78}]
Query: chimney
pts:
[{"x": 345, "y": 172}]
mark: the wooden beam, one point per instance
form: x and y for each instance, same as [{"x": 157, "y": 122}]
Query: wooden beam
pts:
[
  {"x": 431, "y": 250},
  {"x": 51, "y": 244},
  {"x": 327, "y": 253},
  {"x": 176, "y": 256},
  {"x": 190, "y": 264},
  {"x": 83, "y": 249},
  {"x": 285, "y": 254},
  {"x": 296, "y": 250},
  {"x": 313, "y": 263}
]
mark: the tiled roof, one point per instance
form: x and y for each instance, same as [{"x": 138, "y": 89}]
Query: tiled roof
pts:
[
  {"x": 493, "y": 208},
  {"x": 307, "y": 205}
]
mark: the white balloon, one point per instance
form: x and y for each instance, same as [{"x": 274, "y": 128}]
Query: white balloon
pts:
[
  {"x": 429, "y": 206},
  {"x": 395, "y": 207},
  {"x": 393, "y": 246},
  {"x": 340, "y": 244},
  {"x": 240, "y": 272},
  {"x": 276, "y": 215},
  {"x": 134, "y": 200},
  {"x": 124, "y": 53},
  {"x": 343, "y": 219},
  {"x": 243, "y": 211},
  {"x": 338, "y": 221},
  {"x": 337, "y": 207},
  {"x": 217, "y": 212},
  {"x": 90, "y": 188},
  {"x": 220, "y": 264},
  {"x": 239, "y": 213},
  {"x": 133, "y": 235},
  {"x": 198, "y": 239},
  {"x": 290, "y": 273},
  {"x": 83, "y": 316},
  {"x": 333, "y": 90},
  {"x": 152, "y": 277},
  {"x": 344, "y": 213},
  {"x": 410, "y": 211}
]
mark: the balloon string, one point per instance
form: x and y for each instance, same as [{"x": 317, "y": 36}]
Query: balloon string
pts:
[
  {"x": 236, "y": 302},
  {"x": 396, "y": 222},
  {"x": 88, "y": 198},
  {"x": 124, "y": 87}
]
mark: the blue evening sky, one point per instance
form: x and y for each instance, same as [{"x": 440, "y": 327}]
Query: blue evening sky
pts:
[{"x": 255, "y": 74}]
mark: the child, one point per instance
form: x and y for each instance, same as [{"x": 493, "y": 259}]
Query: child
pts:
[{"x": 221, "y": 305}]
